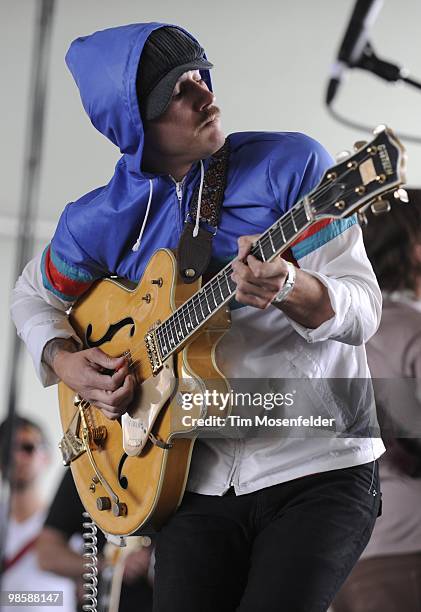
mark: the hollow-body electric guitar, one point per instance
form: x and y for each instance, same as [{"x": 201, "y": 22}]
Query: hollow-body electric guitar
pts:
[{"x": 131, "y": 474}]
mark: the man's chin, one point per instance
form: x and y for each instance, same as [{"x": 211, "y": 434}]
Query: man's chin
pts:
[{"x": 215, "y": 136}]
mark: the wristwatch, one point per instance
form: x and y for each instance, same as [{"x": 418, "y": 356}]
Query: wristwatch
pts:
[{"x": 288, "y": 285}]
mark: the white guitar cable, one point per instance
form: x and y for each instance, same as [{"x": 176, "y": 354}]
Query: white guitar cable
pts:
[{"x": 90, "y": 576}]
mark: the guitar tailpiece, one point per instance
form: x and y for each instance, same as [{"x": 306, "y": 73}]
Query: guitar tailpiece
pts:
[{"x": 90, "y": 577}]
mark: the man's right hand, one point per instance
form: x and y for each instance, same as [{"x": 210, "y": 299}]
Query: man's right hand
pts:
[{"x": 84, "y": 372}]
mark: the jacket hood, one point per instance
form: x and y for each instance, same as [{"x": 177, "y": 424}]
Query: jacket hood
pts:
[{"x": 104, "y": 67}]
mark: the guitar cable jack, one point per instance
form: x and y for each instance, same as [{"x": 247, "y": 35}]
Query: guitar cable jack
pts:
[{"x": 90, "y": 555}]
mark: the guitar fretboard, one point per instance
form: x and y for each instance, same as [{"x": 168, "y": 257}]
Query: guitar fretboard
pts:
[{"x": 187, "y": 319}]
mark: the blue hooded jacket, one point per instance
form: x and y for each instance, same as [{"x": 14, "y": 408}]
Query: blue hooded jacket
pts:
[{"x": 268, "y": 172}]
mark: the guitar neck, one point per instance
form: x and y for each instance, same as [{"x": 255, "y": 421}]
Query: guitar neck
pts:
[{"x": 193, "y": 314}]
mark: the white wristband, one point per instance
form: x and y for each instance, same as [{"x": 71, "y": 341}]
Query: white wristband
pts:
[{"x": 288, "y": 285}]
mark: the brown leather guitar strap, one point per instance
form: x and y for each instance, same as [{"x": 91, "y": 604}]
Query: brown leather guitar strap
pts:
[{"x": 194, "y": 252}]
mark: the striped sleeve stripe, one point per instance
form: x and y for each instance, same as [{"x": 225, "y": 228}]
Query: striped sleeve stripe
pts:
[
  {"x": 319, "y": 234},
  {"x": 65, "y": 281}
]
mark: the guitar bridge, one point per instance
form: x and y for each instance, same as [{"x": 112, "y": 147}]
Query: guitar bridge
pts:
[{"x": 153, "y": 352}]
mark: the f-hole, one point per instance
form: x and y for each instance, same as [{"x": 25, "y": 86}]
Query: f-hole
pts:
[
  {"x": 110, "y": 333},
  {"x": 124, "y": 483}
]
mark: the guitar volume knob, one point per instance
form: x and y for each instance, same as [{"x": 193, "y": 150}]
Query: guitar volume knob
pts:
[
  {"x": 120, "y": 509},
  {"x": 103, "y": 503}
]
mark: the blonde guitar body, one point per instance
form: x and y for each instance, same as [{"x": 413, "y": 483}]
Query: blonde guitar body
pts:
[{"x": 126, "y": 492}]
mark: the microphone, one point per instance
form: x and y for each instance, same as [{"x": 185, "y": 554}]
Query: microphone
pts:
[{"x": 354, "y": 42}]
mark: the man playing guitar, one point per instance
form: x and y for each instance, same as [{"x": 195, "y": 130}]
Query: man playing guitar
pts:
[{"x": 260, "y": 515}]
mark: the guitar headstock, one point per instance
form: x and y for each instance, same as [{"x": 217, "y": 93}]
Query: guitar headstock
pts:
[{"x": 360, "y": 181}]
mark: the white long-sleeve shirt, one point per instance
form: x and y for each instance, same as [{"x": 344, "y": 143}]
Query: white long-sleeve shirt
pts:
[{"x": 39, "y": 316}]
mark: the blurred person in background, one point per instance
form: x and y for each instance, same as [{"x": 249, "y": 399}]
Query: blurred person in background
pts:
[
  {"x": 20, "y": 569},
  {"x": 58, "y": 552},
  {"x": 388, "y": 576}
]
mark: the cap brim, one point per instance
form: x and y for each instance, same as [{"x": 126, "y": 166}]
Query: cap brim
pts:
[{"x": 160, "y": 96}]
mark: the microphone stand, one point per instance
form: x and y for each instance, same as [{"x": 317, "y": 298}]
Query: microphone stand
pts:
[{"x": 383, "y": 69}]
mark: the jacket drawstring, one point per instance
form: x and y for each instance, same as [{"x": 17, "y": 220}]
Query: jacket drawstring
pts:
[
  {"x": 136, "y": 245},
  {"x": 199, "y": 200}
]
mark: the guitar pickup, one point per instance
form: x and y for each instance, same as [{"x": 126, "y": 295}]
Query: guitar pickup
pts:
[{"x": 153, "y": 352}]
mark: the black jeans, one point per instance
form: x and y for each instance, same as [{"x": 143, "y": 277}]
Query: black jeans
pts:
[{"x": 285, "y": 548}]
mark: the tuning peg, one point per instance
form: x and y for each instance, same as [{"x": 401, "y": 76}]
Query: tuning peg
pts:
[
  {"x": 402, "y": 195},
  {"x": 362, "y": 218},
  {"x": 342, "y": 155},
  {"x": 359, "y": 144},
  {"x": 380, "y": 206},
  {"x": 379, "y": 129}
]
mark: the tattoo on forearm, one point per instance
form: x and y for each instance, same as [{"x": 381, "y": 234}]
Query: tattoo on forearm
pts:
[{"x": 54, "y": 346}]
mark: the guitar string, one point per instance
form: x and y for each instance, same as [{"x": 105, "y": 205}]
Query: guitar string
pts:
[{"x": 169, "y": 325}]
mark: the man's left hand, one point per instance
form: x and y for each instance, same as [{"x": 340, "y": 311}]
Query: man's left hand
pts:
[{"x": 257, "y": 282}]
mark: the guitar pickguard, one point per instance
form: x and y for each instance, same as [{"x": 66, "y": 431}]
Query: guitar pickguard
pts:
[{"x": 154, "y": 392}]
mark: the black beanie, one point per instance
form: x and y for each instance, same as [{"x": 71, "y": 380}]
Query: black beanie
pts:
[{"x": 167, "y": 54}]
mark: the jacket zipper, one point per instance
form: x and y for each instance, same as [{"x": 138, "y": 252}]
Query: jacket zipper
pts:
[{"x": 179, "y": 192}]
